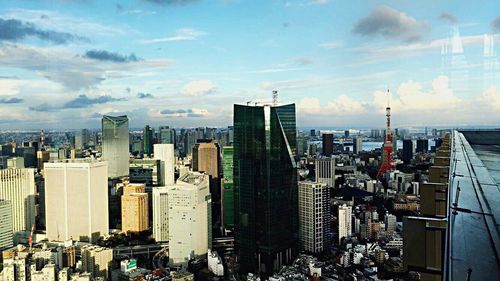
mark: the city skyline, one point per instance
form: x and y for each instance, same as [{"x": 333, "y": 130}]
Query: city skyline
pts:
[{"x": 65, "y": 64}]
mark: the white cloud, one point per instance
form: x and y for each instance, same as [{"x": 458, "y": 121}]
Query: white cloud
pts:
[
  {"x": 199, "y": 88},
  {"x": 183, "y": 34},
  {"x": 342, "y": 105},
  {"x": 491, "y": 98},
  {"x": 331, "y": 45}
]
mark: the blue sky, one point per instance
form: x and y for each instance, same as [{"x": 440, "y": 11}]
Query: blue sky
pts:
[{"x": 65, "y": 63}]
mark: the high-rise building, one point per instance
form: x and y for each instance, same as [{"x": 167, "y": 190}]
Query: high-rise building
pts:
[
  {"x": 115, "y": 145},
  {"x": 6, "y": 233},
  {"x": 407, "y": 151},
  {"x": 29, "y": 155},
  {"x": 327, "y": 140},
  {"x": 206, "y": 159},
  {"x": 228, "y": 211},
  {"x": 160, "y": 213},
  {"x": 189, "y": 222},
  {"x": 166, "y": 135},
  {"x": 346, "y": 133},
  {"x": 422, "y": 145},
  {"x": 96, "y": 260},
  {"x": 165, "y": 153},
  {"x": 357, "y": 145},
  {"x": 344, "y": 221},
  {"x": 134, "y": 208},
  {"x": 18, "y": 186},
  {"x": 265, "y": 183},
  {"x": 147, "y": 138},
  {"x": 314, "y": 216},
  {"x": 390, "y": 222},
  {"x": 325, "y": 170},
  {"x": 6, "y": 150},
  {"x": 76, "y": 199}
]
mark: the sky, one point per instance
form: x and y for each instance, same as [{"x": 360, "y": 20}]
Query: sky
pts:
[{"x": 184, "y": 63}]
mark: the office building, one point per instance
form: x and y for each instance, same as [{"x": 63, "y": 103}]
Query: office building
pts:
[
  {"x": 96, "y": 260},
  {"x": 407, "y": 151},
  {"x": 6, "y": 232},
  {"x": 390, "y": 222},
  {"x": 325, "y": 170},
  {"x": 327, "y": 140},
  {"x": 265, "y": 183},
  {"x": 160, "y": 214},
  {"x": 15, "y": 163},
  {"x": 357, "y": 145},
  {"x": 76, "y": 199},
  {"x": 42, "y": 156},
  {"x": 344, "y": 221},
  {"x": 189, "y": 221},
  {"x": 115, "y": 145},
  {"x": 165, "y": 153},
  {"x": 314, "y": 216},
  {"x": 228, "y": 211},
  {"x": 134, "y": 208},
  {"x": 166, "y": 135},
  {"x": 147, "y": 140},
  {"x": 6, "y": 150},
  {"x": 29, "y": 155},
  {"x": 18, "y": 187},
  {"x": 206, "y": 159},
  {"x": 146, "y": 170},
  {"x": 47, "y": 273},
  {"x": 422, "y": 145}
]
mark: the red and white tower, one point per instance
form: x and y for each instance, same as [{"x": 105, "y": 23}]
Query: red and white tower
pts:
[{"x": 387, "y": 161}]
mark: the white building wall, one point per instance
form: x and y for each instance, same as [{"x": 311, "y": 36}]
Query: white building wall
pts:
[
  {"x": 165, "y": 153},
  {"x": 160, "y": 213},
  {"x": 344, "y": 220},
  {"x": 325, "y": 171}
]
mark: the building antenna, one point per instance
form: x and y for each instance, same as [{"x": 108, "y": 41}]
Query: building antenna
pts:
[{"x": 275, "y": 98}]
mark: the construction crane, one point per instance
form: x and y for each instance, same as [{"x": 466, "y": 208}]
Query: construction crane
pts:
[{"x": 387, "y": 153}]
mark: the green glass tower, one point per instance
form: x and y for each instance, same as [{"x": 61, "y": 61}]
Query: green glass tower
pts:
[
  {"x": 148, "y": 140},
  {"x": 227, "y": 188},
  {"x": 265, "y": 184}
]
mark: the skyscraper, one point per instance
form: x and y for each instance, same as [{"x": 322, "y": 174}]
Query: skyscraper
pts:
[
  {"x": 327, "y": 140},
  {"x": 147, "y": 138},
  {"x": 166, "y": 135},
  {"x": 314, "y": 216},
  {"x": 115, "y": 145},
  {"x": 18, "y": 186},
  {"x": 160, "y": 213},
  {"x": 135, "y": 209},
  {"x": 228, "y": 211},
  {"x": 422, "y": 145},
  {"x": 407, "y": 151},
  {"x": 344, "y": 221},
  {"x": 165, "y": 153},
  {"x": 96, "y": 260},
  {"x": 325, "y": 170},
  {"x": 357, "y": 145},
  {"x": 189, "y": 220},
  {"x": 76, "y": 200},
  {"x": 265, "y": 182},
  {"x": 6, "y": 234}
]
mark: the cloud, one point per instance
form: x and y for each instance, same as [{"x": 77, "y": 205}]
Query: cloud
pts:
[
  {"x": 144, "y": 95},
  {"x": 491, "y": 97},
  {"x": 16, "y": 30},
  {"x": 192, "y": 112},
  {"x": 199, "y": 88},
  {"x": 11, "y": 100},
  {"x": 392, "y": 24},
  {"x": 412, "y": 98},
  {"x": 83, "y": 101},
  {"x": 104, "y": 55},
  {"x": 183, "y": 34},
  {"x": 340, "y": 106},
  {"x": 45, "y": 107},
  {"x": 495, "y": 24},
  {"x": 448, "y": 17},
  {"x": 72, "y": 71},
  {"x": 170, "y": 2},
  {"x": 304, "y": 61},
  {"x": 331, "y": 45}
]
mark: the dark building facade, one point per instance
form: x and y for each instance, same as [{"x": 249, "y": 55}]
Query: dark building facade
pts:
[
  {"x": 265, "y": 184},
  {"x": 422, "y": 145},
  {"x": 327, "y": 144},
  {"x": 407, "y": 151},
  {"x": 148, "y": 140}
]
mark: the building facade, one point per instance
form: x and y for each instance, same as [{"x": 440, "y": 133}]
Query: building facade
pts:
[
  {"x": 134, "y": 209},
  {"x": 228, "y": 211},
  {"x": 265, "y": 183},
  {"x": 160, "y": 214},
  {"x": 76, "y": 199},
  {"x": 325, "y": 170},
  {"x": 115, "y": 145},
  {"x": 344, "y": 221},
  {"x": 96, "y": 260},
  {"x": 165, "y": 153},
  {"x": 6, "y": 231}
]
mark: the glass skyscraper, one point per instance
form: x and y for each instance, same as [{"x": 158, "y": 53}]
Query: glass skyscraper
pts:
[
  {"x": 227, "y": 188},
  {"x": 265, "y": 183},
  {"x": 115, "y": 145},
  {"x": 147, "y": 139}
]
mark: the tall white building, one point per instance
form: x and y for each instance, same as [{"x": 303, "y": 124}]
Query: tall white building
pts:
[
  {"x": 160, "y": 213},
  {"x": 390, "y": 222},
  {"x": 115, "y": 145},
  {"x": 325, "y": 170},
  {"x": 18, "y": 186},
  {"x": 344, "y": 220},
  {"x": 6, "y": 237},
  {"x": 189, "y": 219},
  {"x": 165, "y": 153},
  {"x": 314, "y": 216},
  {"x": 76, "y": 199}
]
